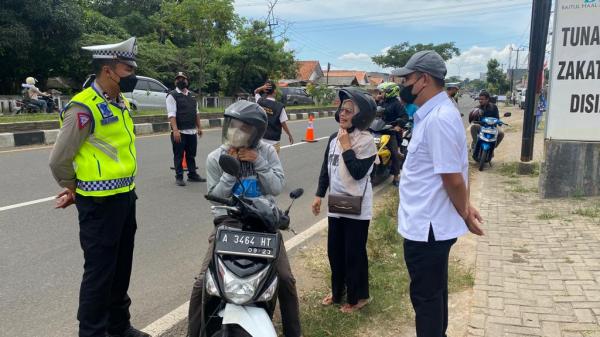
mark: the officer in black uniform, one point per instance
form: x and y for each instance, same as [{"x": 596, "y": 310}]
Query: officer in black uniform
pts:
[
  {"x": 276, "y": 114},
  {"x": 182, "y": 110}
]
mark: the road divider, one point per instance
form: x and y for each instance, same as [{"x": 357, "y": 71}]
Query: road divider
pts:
[{"x": 48, "y": 137}]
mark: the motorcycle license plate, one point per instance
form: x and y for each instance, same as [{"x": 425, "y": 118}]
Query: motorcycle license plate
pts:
[
  {"x": 243, "y": 243},
  {"x": 404, "y": 142}
]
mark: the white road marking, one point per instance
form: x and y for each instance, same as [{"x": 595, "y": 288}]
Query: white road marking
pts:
[
  {"x": 168, "y": 321},
  {"x": 33, "y": 202}
]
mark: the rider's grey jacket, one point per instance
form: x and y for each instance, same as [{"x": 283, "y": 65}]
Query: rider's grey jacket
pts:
[{"x": 267, "y": 170}]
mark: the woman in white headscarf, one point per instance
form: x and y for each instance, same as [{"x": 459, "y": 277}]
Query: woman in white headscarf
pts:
[{"x": 345, "y": 171}]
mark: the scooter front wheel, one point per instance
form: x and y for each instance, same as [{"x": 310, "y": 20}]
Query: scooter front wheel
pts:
[
  {"x": 231, "y": 331},
  {"x": 483, "y": 154}
]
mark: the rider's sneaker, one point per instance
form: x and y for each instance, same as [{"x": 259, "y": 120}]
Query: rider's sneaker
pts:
[
  {"x": 179, "y": 181},
  {"x": 396, "y": 183},
  {"x": 196, "y": 178}
]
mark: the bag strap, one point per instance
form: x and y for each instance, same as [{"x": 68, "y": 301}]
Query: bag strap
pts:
[{"x": 366, "y": 184}]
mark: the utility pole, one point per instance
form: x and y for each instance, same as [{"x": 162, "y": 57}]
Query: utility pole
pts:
[
  {"x": 512, "y": 74},
  {"x": 540, "y": 19},
  {"x": 512, "y": 77},
  {"x": 327, "y": 76}
]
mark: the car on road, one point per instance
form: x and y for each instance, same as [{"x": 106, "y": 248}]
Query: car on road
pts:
[
  {"x": 295, "y": 96},
  {"x": 148, "y": 94}
]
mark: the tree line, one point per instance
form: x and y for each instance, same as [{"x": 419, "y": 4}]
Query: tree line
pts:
[{"x": 221, "y": 52}]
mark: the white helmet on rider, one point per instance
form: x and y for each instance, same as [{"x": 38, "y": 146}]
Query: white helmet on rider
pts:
[{"x": 30, "y": 80}]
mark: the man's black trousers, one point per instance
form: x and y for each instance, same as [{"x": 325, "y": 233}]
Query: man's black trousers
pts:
[
  {"x": 107, "y": 228},
  {"x": 189, "y": 144},
  {"x": 427, "y": 264}
]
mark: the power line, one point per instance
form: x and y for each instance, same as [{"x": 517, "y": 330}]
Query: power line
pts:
[{"x": 406, "y": 18}]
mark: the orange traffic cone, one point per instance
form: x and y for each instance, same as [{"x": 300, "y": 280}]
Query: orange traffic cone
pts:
[
  {"x": 183, "y": 162},
  {"x": 310, "y": 131}
]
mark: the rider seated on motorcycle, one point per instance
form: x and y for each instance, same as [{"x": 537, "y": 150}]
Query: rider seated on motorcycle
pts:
[
  {"x": 261, "y": 175},
  {"x": 395, "y": 115},
  {"x": 34, "y": 96},
  {"x": 486, "y": 109}
]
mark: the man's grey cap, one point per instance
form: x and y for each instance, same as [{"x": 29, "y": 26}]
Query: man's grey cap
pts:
[
  {"x": 425, "y": 61},
  {"x": 124, "y": 51}
]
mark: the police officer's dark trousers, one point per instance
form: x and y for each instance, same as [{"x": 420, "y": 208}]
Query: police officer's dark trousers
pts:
[
  {"x": 427, "y": 264},
  {"x": 189, "y": 144},
  {"x": 107, "y": 228}
]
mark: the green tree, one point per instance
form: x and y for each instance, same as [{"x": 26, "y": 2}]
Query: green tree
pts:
[
  {"x": 496, "y": 79},
  {"x": 253, "y": 58},
  {"x": 37, "y": 38},
  {"x": 201, "y": 26},
  {"x": 398, "y": 55}
]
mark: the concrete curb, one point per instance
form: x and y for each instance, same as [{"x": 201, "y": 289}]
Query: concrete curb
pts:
[{"x": 48, "y": 137}]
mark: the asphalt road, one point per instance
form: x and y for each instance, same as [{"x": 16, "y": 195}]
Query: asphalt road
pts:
[{"x": 41, "y": 261}]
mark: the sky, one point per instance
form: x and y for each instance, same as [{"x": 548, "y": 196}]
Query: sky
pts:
[{"x": 347, "y": 33}]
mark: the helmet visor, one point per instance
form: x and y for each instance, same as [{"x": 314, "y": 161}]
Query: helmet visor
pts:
[{"x": 239, "y": 134}]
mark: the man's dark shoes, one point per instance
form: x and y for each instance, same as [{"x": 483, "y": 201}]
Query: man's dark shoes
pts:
[
  {"x": 130, "y": 332},
  {"x": 179, "y": 181},
  {"x": 196, "y": 178}
]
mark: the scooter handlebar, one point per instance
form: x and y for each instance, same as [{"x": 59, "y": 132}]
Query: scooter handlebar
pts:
[{"x": 218, "y": 200}]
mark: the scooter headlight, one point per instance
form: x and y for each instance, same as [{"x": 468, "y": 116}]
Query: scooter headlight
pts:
[
  {"x": 267, "y": 295},
  {"x": 211, "y": 286},
  {"x": 239, "y": 290},
  {"x": 377, "y": 140}
]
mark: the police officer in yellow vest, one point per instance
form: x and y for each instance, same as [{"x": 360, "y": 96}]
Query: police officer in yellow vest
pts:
[{"x": 94, "y": 160}]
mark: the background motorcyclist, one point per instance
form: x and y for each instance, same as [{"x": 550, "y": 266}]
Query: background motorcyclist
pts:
[
  {"x": 34, "y": 95},
  {"x": 485, "y": 109},
  {"x": 395, "y": 115},
  {"x": 261, "y": 175}
]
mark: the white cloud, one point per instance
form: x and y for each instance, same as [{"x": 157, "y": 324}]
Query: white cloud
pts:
[
  {"x": 474, "y": 61},
  {"x": 355, "y": 57}
]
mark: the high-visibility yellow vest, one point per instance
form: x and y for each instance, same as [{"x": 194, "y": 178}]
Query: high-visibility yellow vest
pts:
[{"x": 106, "y": 162}]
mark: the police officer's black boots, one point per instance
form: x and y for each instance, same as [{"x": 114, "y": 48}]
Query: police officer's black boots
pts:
[{"x": 130, "y": 332}]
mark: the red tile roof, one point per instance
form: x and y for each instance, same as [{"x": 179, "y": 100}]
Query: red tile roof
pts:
[{"x": 306, "y": 68}]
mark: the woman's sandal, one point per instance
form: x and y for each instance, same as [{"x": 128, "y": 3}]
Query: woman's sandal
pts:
[
  {"x": 349, "y": 308},
  {"x": 328, "y": 300}
]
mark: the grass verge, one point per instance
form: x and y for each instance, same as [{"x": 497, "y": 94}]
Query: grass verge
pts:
[
  {"x": 389, "y": 282},
  {"x": 512, "y": 170}
]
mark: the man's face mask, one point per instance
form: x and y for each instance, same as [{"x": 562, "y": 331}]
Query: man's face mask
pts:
[
  {"x": 181, "y": 84},
  {"x": 406, "y": 93},
  {"x": 126, "y": 83}
]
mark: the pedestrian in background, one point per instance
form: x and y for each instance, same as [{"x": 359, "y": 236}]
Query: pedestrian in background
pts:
[
  {"x": 539, "y": 112},
  {"x": 277, "y": 116},
  {"x": 183, "y": 114},
  {"x": 434, "y": 205},
  {"x": 345, "y": 171},
  {"x": 94, "y": 160}
]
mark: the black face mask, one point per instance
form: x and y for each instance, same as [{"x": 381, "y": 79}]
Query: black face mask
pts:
[
  {"x": 181, "y": 85},
  {"x": 127, "y": 84},
  {"x": 406, "y": 94}
]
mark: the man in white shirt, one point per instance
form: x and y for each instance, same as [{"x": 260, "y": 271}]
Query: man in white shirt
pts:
[
  {"x": 182, "y": 110},
  {"x": 277, "y": 117},
  {"x": 434, "y": 196}
]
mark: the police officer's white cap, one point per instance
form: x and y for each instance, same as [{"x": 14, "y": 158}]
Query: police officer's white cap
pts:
[{"x": 124, "y": 52}]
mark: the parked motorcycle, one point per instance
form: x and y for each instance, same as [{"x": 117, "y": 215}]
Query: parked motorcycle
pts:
[
  {"x": 406, "y": 137},
  {"x": 241, "y": 281},
  {"x": 483, "y": 152},
  {"x": 381, "y": 168}
]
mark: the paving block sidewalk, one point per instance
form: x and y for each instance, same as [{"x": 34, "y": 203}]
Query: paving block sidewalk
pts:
[{"x": 538, "y": 266}]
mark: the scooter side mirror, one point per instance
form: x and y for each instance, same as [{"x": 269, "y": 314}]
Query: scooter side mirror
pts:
[
  {"x": 230, "y": 165},
  {"x": 297, "y": 193},
  {"x": 507, "y": 114}
]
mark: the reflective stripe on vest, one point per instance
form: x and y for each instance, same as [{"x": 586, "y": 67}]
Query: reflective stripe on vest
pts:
[{"x": 106, "y": 161}]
